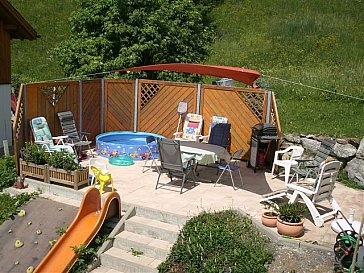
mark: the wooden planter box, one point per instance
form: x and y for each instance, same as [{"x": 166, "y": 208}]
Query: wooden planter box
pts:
[
  {"x": 34, "y": 171},
  {"x": 74, "y": 178},
  {"x": 50, "y": 174}
]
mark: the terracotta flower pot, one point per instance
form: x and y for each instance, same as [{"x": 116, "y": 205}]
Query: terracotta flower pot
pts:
[
  {"x": 269, "y": 219},
  {"x": 289, "y": 229}
]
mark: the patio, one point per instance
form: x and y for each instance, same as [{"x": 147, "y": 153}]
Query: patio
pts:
[{"x": 136, "y": 187}]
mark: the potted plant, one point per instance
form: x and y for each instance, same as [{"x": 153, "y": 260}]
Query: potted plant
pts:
[
  {"x": 289, "y": 221},
  {"x": 269, "y": 217}
]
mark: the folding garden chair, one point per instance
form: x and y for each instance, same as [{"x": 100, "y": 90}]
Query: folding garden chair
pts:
[
  {"x": 230, "y": 166},
  {"x": 215, "y": 120},
  {"x": 150, "y": 157},
  {"x": 310, "y": 167},
  {"x": 172, "y": 162},
  {"x": 69, "y": 128}
]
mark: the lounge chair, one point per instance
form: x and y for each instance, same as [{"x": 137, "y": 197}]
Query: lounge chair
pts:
[
  {"x": 69, "y": 129},
  {"x": 43, "y": 137},
  {"x": 310, "y": 167},
  {"x": 215, "y": 120},
  {"x": 293, "y": 152},
  {"x": 172, "y": 163},
  {"x": 191, "y": 128},
  {"x": 313, "y": 191}
]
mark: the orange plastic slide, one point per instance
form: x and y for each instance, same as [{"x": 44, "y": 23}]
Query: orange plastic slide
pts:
[{"x": 82, "y": 230}]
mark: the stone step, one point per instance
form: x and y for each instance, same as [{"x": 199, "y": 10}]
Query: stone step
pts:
[
  {"x": 125, "y": 261},
  {"x": 152, "y": 228},
  {"x": 104, "y": 269},
  {"x": 163, "y": 216},
  {"x": 151, "y": 247}
]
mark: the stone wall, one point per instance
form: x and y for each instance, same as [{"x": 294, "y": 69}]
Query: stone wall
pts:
[{"x": 349, "y": 151}]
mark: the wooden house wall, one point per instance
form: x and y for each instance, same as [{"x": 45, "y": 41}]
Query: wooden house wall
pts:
[{"x": 5, "y": 60}]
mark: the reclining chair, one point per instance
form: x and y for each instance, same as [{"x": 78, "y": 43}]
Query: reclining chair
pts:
[
  {"x": 69, "y": 129},
  {"x": 43, "y": 137},
  {"x": 313, "y": 191},
  {"x": 191, "y": 128},
  {"x": 310, "y": 167}
]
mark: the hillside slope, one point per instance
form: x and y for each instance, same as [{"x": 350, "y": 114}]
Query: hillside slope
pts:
[{"x": 292, "y": 43}]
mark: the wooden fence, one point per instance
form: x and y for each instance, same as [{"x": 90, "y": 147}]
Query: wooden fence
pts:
[{"x": 103, "y": 105}]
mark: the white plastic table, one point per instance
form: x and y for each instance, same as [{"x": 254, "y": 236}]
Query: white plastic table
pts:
[{"x": 204, "y": 153}]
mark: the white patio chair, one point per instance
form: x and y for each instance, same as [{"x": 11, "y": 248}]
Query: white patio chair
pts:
[
  {"x": 294, "y": 152},
  {"x": 230, "y": 166},
  {"x": 313, "y": 192}
]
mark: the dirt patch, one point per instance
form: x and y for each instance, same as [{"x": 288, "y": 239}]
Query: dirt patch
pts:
[
  {"x": 45, "y": 215},
  {"x": 302, "y": 260}
]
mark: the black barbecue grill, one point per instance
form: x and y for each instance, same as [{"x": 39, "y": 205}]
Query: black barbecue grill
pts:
[{"x": 262, "y": 138}]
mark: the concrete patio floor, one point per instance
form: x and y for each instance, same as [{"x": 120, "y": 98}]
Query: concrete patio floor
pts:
[{"x": 138, "y": 188}]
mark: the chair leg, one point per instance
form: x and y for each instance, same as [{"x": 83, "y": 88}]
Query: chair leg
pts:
[
  {"x": 316, "y": 216},
  {"x": 220, "y": 176},
  {"x": 241, "y": 179},
  {"x": 156, "y": 186},
  {"x": 183, "y": 182},
  {"x": 286, "y": 175},
  {"x": 232, "y": 180},
  {"x": 273, "y": 167}
]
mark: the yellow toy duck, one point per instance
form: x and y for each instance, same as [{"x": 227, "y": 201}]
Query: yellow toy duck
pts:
[{"x": 103, "y": 177}]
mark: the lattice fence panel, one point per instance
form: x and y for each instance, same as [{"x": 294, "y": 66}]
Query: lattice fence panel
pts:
[
  {"x": 254, "y": 100},
  {"x": 148, "y": 91}
]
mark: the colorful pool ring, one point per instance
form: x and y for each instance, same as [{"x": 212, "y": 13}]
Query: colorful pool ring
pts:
[{"x": 121, "y": 160}]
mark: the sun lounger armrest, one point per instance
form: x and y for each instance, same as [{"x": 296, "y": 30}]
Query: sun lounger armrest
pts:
[
  {"x": 178, "y": 134},
  {"x": 84, "y": 135},
  {"x": 203, "y": 138},
  {"x": 60, "y": 139}
]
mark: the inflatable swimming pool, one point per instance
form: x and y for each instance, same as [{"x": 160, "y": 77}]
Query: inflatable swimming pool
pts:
[{"x": 128, "y": 143}]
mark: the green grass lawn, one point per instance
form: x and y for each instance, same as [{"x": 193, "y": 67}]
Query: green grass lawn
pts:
[
  {"x": 315, "y": 42},
  {"x": 33, "y": 60}
]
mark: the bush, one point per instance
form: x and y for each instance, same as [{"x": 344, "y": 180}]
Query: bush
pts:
[
  {"x": 8, "y": 172},
  {"x": 63, "y": 160},
  {"x": 35, "y": 154},
  {"x": 219, "y": 242}
]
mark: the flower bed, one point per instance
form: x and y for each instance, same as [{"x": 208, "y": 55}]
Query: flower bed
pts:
[{"x": 51, "y": 174}]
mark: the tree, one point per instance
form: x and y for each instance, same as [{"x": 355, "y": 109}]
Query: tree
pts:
[{"x": 113, "y": 34}]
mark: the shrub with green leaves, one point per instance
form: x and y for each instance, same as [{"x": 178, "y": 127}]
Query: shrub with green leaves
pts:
[
  {"x": 63, "y": 160},
  {"x": 33, "y": 153},
  {"x": 7, "y": 172},
  {"x": 219, "y": 242}
]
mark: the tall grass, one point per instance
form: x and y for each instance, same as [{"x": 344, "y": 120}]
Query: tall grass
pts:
[
  {"x": 315, "y": 43},
  {"x": 33, "y": 60}
]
